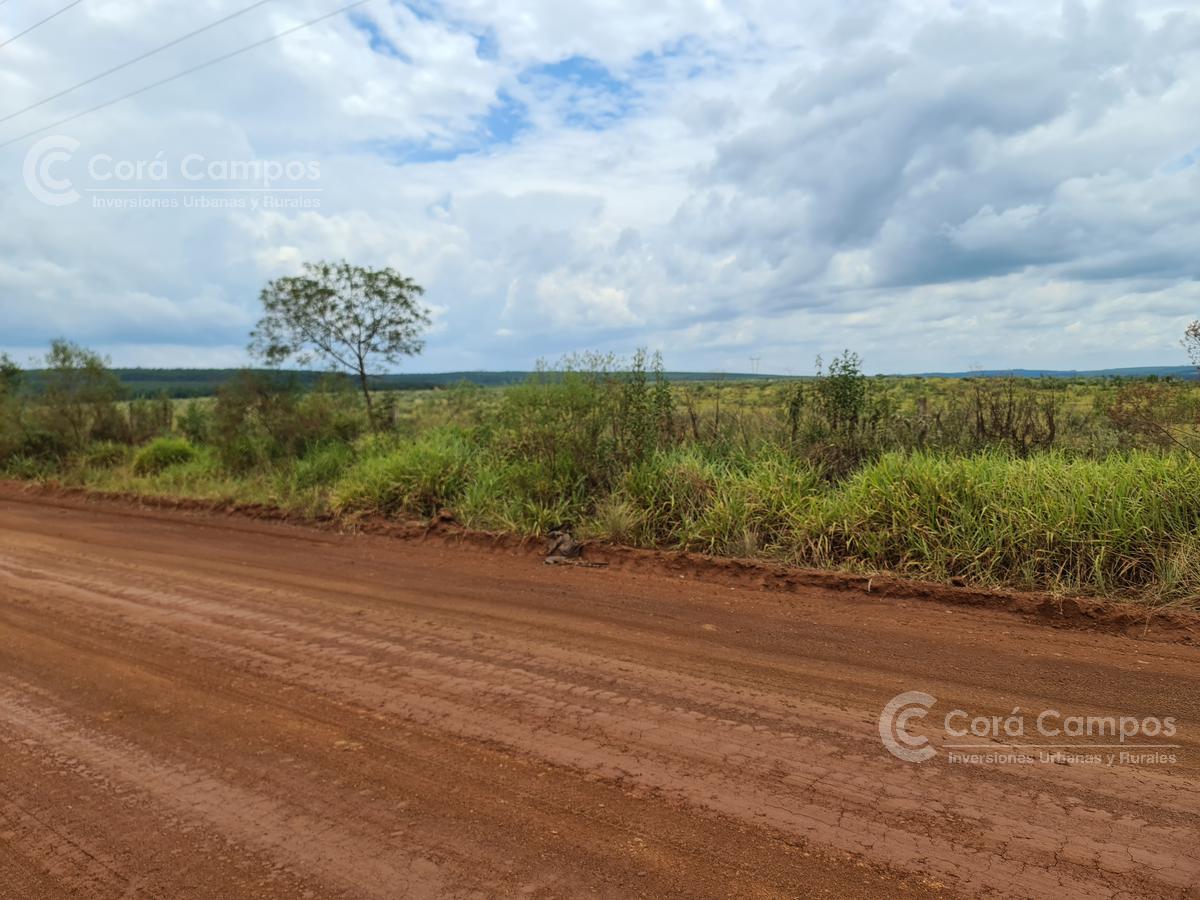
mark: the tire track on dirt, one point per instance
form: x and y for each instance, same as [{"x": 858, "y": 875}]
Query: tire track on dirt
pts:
[
  {"x": 339, "y": 857},
  {"x": 566, "y": 726},
  {"x": 672, "y": 721},
  {"x": 756, "y": 868}
]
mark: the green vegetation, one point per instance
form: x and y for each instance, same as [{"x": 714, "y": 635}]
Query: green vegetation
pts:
[
  {"x": 182, "y": 384},
  {"x": 349, "y": 318},
  {"x": 161, "y": 453},
  {"x": 1123, "y": 523},
  {"x": 1082, "y": 485},
  {"x": 1076, "y": 484}
]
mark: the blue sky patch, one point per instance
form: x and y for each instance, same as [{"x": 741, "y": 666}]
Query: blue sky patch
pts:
[
  {"x": 1186, "y": 161},
  {"x": 376, "y": 38},
  {"x": 591, "y": 97},
  {"x": 506, "y": 120}
]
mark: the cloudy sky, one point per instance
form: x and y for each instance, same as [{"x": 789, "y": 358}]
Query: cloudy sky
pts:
[{"x": 938, "y": 185}]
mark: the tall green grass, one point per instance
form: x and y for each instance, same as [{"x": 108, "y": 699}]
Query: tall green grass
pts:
[
  {"x": 417, "y": 477},
  {"x": 1125, "y": 522},
  {"x": 162, "y": 453},
  {"x": 739, "y": 505}
]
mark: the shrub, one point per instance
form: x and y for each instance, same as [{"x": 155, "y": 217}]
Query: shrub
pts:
[
  {"x": 39, "y": 443},
  {"x": 416, "y": 478},
  {"x": 11, "y": 409},
  {"x": 195, "y": 422},
  {"x": 561, "y": 423},
  {"x": 758, "y": 507},
  {"x": 258, "y": 419},
  {"x": 161, "y": 454},
  {"x": 332, "y": 412},
  {"x": 668, "y": 492},
  {"x": 28, "y": 468},
  {"x": 79, "y": 397},
  {"x": 580, "y": 425},
  {"x": 12, "y": 437},
  {"x": 104, "y": 455},
  {"x": 322, "y": 466},
  {"x": 149, "y": 418}
]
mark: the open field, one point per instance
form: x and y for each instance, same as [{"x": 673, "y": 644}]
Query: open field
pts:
[
  {"x": 1074, "y": 485},
  {"x": 198, "y": 707}
]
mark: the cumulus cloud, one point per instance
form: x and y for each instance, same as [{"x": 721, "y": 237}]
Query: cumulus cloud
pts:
[{"x": 936, "y": 185}]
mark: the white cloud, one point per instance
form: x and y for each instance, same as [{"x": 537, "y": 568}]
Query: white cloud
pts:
[{"x": 934, "y": 185}]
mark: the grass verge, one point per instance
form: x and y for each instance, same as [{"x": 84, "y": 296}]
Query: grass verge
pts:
[{"x": 1126, "y": 525}]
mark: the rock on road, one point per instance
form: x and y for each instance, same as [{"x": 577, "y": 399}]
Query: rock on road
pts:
[{"x": 194, "y": 705}]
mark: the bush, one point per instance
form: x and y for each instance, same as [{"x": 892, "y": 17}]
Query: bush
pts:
[
  {"x": 11, "y": 409},
  {"x": 258, "y": 419},
  {"x": 104, "y": 455},
  {"x": 195, "y": 422},
  {"x": 322, "y": 466},
  {"x": 561, "y": 422},
  {"x": 247, "y": 413},
  {"x": 78, "y": 403},
  {"x": 161, "y": 454},
  {"x": 12, "y": 437},
  {"x": 150, "y": 418},
  {"x": 41, "y": 444},
  {"x": 28, "y": 468},
  {"x": 579, "y": 426},
  {"x": 668, "y": 492},
  {"x": 416, "y": 478},
  {"x": 759, "y": 507}
]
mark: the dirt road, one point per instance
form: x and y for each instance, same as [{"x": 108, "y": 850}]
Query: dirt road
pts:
[{"x": 202, "y": 706}]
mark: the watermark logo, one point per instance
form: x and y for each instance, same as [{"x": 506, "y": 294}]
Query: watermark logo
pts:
[
  {"x": 58, "y": 174},
  {"x": 41, "y": 170},
  {"x": 1020, "y": 736},
  {"x": 894, "y": 722}
]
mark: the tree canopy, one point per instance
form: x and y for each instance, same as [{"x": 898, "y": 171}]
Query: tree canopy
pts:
[{"x": 351, "y": 318}]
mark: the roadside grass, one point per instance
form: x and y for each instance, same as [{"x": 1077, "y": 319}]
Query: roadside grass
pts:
[
  {"x": 161, "y": 454},
  {"x": 414, "y": 478},
  {"x": 200, "y": 477},
  {"x": 1125, "y": 525},
  {"x": 931, "y": 479}
]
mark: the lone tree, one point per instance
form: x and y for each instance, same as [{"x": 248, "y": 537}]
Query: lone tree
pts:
[
  {"x": 1191, "y": 341},
  {"x": 352, "y": 318}
]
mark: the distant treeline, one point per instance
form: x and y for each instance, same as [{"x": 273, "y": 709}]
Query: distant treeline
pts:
[
  {"x": 183, "y": 383},
  {"x": 1153, "y": 373}
]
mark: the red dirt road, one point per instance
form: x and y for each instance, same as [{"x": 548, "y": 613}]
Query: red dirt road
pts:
[{"x": 200, "y": 706}]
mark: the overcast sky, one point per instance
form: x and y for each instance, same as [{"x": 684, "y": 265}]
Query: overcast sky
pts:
[{"x": 938, "y": 185}]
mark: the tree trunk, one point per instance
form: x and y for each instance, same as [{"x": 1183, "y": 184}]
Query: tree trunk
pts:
[{"x": 362, "y": 380}]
